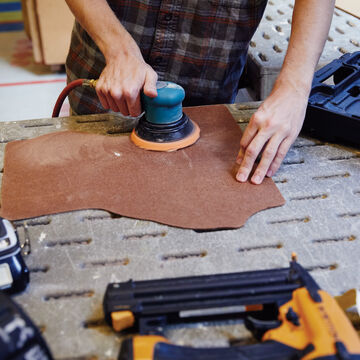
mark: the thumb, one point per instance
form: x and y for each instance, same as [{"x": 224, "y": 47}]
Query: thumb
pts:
[{"x": 150, "y": 83}]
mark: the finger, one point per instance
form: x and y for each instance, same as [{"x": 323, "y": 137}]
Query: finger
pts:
[
  {"x": 132, "y": 100},
  {"x": 135, "y": 107},
  {"x": 116, "y": 98},
  {"x": 240, "y": 156},
  {"x": 251, "y": 153},
  {"x": 101, "y": 94},
  {"x": 112, "y": 103},
  {"x": 280, "y": 155},
  {"x": 123, "y": 108},
  {"x": 104, "y": 103},
  {"x": 249, "y": 134},
  {"x": 267, "y": 158},
  {"x": 150, "y": 83}
]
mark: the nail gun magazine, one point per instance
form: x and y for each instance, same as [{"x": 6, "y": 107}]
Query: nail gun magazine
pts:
[{"x": 285, "y": 309}]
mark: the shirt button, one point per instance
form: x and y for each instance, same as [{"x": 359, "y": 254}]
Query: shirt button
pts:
[
  {"x": 158, "y": 60},
  {"x": 168, "y": 17}
]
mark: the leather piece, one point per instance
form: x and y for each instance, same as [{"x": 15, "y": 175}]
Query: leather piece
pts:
[{"x": 190, "y": 188}]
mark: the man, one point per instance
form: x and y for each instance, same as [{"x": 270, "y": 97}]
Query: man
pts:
[{"x": 201, "y": 45}]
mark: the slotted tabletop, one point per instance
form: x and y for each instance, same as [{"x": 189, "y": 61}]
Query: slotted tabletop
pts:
[{"x": 75, "y": 255}]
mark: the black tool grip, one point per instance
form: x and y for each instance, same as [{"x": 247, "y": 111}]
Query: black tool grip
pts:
[
  {"x": 20, "y": 339},
  {"x": 269, "y": 350},
  {"x": 126, "y": 350}
]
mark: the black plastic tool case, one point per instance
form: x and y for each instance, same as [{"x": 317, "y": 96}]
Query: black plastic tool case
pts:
[{"x": 333, "y": 111}]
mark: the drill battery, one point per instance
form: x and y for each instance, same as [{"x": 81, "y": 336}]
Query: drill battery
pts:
[{"x": 14, "y": 274}]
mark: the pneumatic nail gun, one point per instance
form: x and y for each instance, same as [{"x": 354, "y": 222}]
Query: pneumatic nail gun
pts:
[{"x": 284, "y": 309}]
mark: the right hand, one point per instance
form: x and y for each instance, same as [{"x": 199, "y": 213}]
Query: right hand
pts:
[{"x": 121, "y": 81}]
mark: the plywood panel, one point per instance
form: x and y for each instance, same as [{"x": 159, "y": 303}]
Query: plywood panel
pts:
[
  {"x": 55, "y": 22},
  {"x": 350, "y": 6}
]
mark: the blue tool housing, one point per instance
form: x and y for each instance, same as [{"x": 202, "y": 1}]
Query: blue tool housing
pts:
[
  {"x": 167, "y": 106},
  {"x": 164, "y": 126}
]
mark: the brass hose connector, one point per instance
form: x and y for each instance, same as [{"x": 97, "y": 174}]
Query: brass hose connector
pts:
[{"x": 92, "y": 83}]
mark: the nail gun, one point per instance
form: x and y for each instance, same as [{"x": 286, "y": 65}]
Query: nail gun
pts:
[{"x": 284, "y": 308}]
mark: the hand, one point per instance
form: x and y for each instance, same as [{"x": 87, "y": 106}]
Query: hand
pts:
[
  {"x": 121, "y": 81},
  {"x": 272, "y": 130}
]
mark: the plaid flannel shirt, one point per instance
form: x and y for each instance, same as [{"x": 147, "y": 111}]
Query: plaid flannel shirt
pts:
[{"x": 199, "y": 44}]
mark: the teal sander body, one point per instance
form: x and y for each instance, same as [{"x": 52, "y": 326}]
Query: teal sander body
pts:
[{"x": 164, "y": 126}]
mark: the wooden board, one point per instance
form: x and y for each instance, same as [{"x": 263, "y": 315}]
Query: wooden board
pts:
[
  {"x": 55, "y": 25},
  {"x": 49, "y": 24},
  {"x": 30, "y": 18},
  {"x": 350, "y": 6}
]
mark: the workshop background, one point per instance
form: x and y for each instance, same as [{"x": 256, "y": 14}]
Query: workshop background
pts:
[
  {"x": 34, "y": 37},
  {"x": 72, "y": 255}
]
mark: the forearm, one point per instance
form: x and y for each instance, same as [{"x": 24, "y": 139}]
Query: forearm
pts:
[
  {"x": 310, "y": 27},
  {"x": 125, "y": 73},
  {"x": 97, "y": 18},
  {"x": 277, "y": 123}
]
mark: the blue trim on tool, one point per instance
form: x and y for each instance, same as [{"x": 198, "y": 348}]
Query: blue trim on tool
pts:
[
  {"x": 11, "y": 26},
  {"x": 11, "y": 6}
]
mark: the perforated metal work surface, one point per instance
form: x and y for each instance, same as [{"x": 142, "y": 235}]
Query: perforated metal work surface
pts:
[
  {"x": 269, "y": 43},
  {"x": 75, "y": 255}
]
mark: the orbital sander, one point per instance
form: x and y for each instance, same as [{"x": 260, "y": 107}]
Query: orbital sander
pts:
[{"x": 164, "y": 126}]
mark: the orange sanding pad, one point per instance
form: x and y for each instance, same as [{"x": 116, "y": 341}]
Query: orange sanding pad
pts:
[
  {"x": 190, "y": 188},
  {"x": 167, "y": 146}
]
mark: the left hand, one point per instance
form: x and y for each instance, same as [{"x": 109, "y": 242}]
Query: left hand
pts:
[{"x": 272, "y": 130}]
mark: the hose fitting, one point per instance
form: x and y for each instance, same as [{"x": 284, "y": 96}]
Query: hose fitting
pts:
[{"x": 92, "y": 83}]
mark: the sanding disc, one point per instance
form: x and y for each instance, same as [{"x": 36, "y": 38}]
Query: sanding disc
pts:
[{"x": 162, "y": 138}]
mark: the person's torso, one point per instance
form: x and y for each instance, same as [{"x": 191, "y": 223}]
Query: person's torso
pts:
[{"x": 199, "y": 44}]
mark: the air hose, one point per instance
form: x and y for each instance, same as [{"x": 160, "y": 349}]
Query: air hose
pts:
[{"x": 72, "y": 85}]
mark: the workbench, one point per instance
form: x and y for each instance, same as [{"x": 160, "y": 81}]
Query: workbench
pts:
[
  {"x": 75, "y": 255},
  {"x": 269, "y": 44}
]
